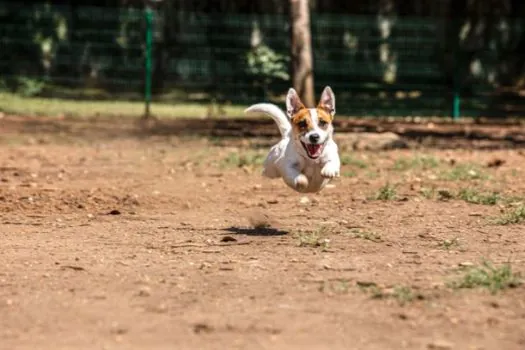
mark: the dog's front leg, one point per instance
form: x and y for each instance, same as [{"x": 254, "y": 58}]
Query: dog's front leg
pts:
[
  {"x": 331, "y": 168},
  {"x": 293, "y": 178}
]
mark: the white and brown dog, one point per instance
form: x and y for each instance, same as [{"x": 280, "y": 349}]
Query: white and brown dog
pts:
[{"x": 307, "y": 156}]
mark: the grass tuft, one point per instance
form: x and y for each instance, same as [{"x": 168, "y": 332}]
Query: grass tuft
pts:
[
  {"x": 366, "y": 235},
  {"x": 347, "y": 159},
  {"x": 464, "y": 172},
  {"x": 386, "y": 193},
  {"x": 236, "y": 159},
  {"x": 428, "y": 192},
  {"x": 418, "y": 162},
  {"x": 514, "y": 216},
  {"x": 403, "y": 294},
  {"x": 447, "y": 244},
  {"x": 471, "y": 195},
  {"x": 313, "y": 239},
  {"x": 488, "y": 276}
]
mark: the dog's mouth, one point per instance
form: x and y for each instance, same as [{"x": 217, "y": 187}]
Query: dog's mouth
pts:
[{"x": 313, "y": 150}]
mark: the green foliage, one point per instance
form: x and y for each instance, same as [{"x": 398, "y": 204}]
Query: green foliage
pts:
[
  {"x": 419, "y": 162},
  {"x": 29, "y": 87},
  {"x": 267, "y": 65},
  {"x": 3, "y": 85}
]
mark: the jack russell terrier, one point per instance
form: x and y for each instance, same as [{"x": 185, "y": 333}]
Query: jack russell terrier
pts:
[{"x": 306, "y": 157}]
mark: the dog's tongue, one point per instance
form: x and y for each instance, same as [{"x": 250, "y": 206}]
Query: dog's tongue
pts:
[{"x": 313, "y": 149}]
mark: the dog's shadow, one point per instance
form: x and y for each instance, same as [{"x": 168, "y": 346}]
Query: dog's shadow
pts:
[{"x": 256, "y": 231}]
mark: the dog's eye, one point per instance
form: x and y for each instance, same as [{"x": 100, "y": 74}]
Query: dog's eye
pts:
[
  {"x": 302, "y": 124},
  {"x": 322, "y": 123}
]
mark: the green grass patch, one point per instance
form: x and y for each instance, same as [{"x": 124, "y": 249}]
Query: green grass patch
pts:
[
  {"x": 17, "y": 104},
  {"x": 448, "y": 244},
  {"x": 428, "y": 192},
  {"x": 464, "y": 172},
  {"x": 402, "y": 294},
  {"x": 488, "y": 276},
  {"x": 338, "y": 286},
  {"x": 239, "y": 160},
  {"x": 417, "y": 162},
  {"x": 314, "y": 238},
  {"x": 366, "y": 235},
  {"x": 471, "y": 195},
  {"x": 350, "y": 173},
  {"x": 372, "y": 174},
  {"x": 387, "y": 192},
  {"x": 347, "y": 159},
  {"x": 513, "y": 216},
  {"x": 405, "y": 295}
]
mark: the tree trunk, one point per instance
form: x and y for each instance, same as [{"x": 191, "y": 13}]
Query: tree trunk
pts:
[{"x": 301, "y": 51}]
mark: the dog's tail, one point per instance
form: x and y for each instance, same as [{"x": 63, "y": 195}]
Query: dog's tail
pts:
[{"x": 275, "y": 112}]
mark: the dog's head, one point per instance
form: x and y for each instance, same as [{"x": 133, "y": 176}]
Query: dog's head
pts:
[{"x": 311, "y": 127}]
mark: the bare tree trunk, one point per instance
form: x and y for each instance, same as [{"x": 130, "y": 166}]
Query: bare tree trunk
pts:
[{"x": 301, "y": 51}]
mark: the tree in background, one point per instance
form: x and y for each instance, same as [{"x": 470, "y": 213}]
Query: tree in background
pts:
[{"x": 301, "y": 51}]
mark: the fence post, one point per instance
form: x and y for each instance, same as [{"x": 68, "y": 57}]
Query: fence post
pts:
[
  {"x": 456, "y": 98},
  {"x": 148, "y": 65}
]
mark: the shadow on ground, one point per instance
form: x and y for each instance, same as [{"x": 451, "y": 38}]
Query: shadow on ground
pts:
[{"x": 250, "y": 231}]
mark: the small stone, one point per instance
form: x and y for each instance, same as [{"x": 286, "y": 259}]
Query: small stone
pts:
[
  {"x": 304, "y": 200},
  {"x": 466, "y": 264},
  {"x": 144, "y": 291}
]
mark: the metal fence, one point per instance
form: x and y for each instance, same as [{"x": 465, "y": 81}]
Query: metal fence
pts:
[{"x": 378, "y": 66}]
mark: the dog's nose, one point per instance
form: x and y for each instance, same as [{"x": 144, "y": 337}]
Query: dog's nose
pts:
[{"x": 314, "y": 138}]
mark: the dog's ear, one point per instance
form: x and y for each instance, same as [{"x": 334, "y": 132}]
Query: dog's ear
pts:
[
  {"x": 293, "y": 103},
  {"x": 327, "y": 101}
]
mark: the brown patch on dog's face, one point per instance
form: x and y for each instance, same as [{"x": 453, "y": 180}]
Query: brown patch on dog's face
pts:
[
  {"x": 325, "y": 119},
  {"x": 302, "y": 121}
]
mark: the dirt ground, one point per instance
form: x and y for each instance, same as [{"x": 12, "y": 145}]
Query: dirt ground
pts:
[{"x": 112, "y": 240}]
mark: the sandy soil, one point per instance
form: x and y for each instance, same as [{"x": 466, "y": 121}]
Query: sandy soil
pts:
[{"x": 117, "y": 241}]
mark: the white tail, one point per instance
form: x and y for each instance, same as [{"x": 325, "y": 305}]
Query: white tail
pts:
[{"x": 275, "y": 112}]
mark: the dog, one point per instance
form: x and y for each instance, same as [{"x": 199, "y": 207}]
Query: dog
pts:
[{"x": 306, "y": 157}]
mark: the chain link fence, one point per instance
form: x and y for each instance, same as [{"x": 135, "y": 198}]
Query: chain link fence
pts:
[{"x": 380, "y": 65}]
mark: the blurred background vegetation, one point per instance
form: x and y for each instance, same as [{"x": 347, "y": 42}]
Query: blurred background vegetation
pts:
[{"x": 381, "y": 57}]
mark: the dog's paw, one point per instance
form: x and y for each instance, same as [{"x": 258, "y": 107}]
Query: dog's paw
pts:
[
  {"x": 300, "y": 182},
  {"x": 330, "y": 171}
]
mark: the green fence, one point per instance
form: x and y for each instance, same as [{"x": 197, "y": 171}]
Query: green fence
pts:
[{"x": 377, "y": 66}]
